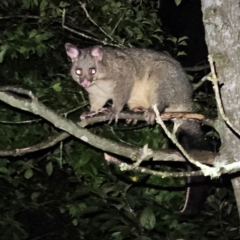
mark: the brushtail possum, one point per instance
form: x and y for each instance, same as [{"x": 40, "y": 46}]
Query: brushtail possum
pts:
[{"x": 139, "y": 78}]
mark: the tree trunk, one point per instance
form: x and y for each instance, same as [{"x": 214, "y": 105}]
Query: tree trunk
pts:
[{"x": 222, "y": 23}]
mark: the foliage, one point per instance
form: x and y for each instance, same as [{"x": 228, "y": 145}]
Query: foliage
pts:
[{"x": 68, "y": 191}]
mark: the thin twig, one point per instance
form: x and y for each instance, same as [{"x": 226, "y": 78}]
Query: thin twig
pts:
[
  {"x": 76, "y": 32},
  {"x": 83, "y": 6},
  {"x": 24, "y": 16},
  {"x": 128, "y": 167},
  {"x": 84, "y": 35},
  {"x": 145, "y": 154},
  {"x": 51, "y": 141},
  {"x": 206, "y": 169},
  {"x": 115, "y": 27},
  {"x": 120, "y": 19},
  {"x": 74, "y": 110},
  {"x": 200, "y": 83},
  {"x": 214, "y": 80},
  {"x": 20, "y": 122},
  {"x": 118, "y": 138},
  {"x": 196, "y": 68}
]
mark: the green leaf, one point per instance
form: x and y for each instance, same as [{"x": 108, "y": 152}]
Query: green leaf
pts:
[
  {"x": 14, "y": 55},
  {"x": 26, "y": 3},
  {"x": 40, "y": 50},
  {"x": 35, "y": 2},
  {"x": 118, "y": 5},
  {"x": 173, "y": 224},
  {"x": 177, "y": 2},
  {"x": 143, "y": 238},
  {"x": 105, "y": 8},
  {"x": 64, "y": 4},
  {"x": 160, "y": 38},
  {"x": 23, "y": 49},
  {"x": 4, "y": 170},
  {"x": 72, "y": 211},
  {"x": 57, "y": 87},
  {"x": 35, "y": 195},
  {"x": 33, "y": 33},
  {"x": 3, "y": 51},
  {"x": 46, "y": 36},
  {"x": 116, "y": 234},
  {"x": 28, "y": 174},
  {"x": 62, "y": 210},
  {"x": 140, "y": 14},
  {"x": 181, "y": 53},
  {"x": 75, "y": 222},
  {"x": 172, "y": 39},
  {"x": 49, "y": 168},
  {"x": 43, "y": 5},
  {"x": 147, "y": 22},
  {"x": 182, "y": 38},
  {"x": 5, "y": 3},
  {"x": 109, "y": 224},
  {"x": 129, "y": 31},
  {"x": 148, "y": 219},
  {"x": 183, "y": 43},
  {"x": 139, "y": 36}
]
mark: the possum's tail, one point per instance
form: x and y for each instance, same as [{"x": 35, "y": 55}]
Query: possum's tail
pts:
[{"x": 191, "y": 136}]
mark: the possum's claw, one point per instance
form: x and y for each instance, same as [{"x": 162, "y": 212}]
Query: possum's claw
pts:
[
  {"x": 88, "y": 115},
  {"x": 150, "y": 116},
  {"x": 93, "y": 113},
  {"x": 135, "y": 121},
  {"x": 111, "y": 114}
]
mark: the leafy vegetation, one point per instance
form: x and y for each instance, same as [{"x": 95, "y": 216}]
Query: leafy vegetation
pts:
[{"x": 68, "y": 191}]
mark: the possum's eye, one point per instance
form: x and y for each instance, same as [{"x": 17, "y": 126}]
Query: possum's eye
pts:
[
  {"x": 92, "y": 71},
  {"x": 78, "y": 71}
]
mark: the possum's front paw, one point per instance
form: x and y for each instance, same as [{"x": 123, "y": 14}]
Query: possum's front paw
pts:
[
  {"x": 92, "y": 113},
  {"x": 150, "y": 116},
  {"x": 111, "y": 114},
  {"x": 88, "y": 115},
  {"x": 136, "y": 110}
]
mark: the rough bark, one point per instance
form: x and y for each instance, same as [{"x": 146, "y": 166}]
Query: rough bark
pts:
[{"x": 222, "y": 23}]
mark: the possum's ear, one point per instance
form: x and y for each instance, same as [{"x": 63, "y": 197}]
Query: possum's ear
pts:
[
  {"x": 72, "y": 51},
  {"x": 97, "y": 52}
]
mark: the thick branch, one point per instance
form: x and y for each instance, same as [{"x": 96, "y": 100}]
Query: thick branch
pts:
[
  {"x": 32, "y": 105},
  {"x": 139, "y": 116}
]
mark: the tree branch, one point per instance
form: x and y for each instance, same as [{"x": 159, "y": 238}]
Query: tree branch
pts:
[
  {"x": 84, "y": 35},
  {"x": 139, "y": 116},
  {"x": 51, "y": 141},
  {"x": 36, "y": 107},
  {"x": 206, "y": 169},
  {"x": 196, "y": 68},
  {"x": 200, "y": 83},
  {"x": 83, "y": 6},
  {"x": 129, "y": 167},
  {"x": 24, "y": 16},
  {"x": 214, "y": 80}
]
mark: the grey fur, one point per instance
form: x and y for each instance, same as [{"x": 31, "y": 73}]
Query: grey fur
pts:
[
  {"x": 121, "y": 70},
  {"x": 139, "y": 78}
]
